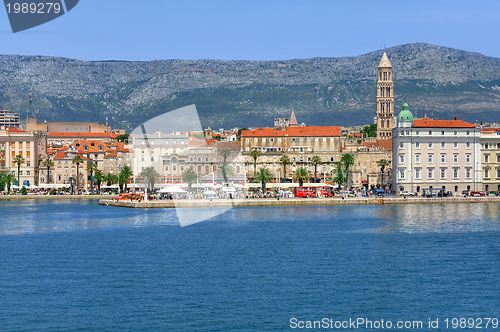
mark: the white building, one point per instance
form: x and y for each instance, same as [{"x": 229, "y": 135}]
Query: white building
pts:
[{"x": 433, "y": 153}]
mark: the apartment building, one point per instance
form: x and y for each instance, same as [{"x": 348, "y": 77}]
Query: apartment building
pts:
[
  {"x": 433, "y": 153},
  {"x": 490, "y": 155}
]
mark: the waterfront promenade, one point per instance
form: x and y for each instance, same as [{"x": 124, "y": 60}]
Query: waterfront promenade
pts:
[{"x": 271, "y": 202}]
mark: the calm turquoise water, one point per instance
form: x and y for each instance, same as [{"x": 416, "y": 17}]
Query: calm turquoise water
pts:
[{"x": 76, "y": 266}]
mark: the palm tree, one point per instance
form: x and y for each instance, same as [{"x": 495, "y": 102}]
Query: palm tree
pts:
[
  {"x": 125, "y": 175},
  {"x": 301, "y": 175},
  {"x": 48, "y": 163},
  {"x": 19, "y": 160},
  {"x": 263, "y": 176},
  {"x": 284, "y": 160},
  {"x": 225, "y": 170},
  {"x": 8, "y": 179},
  {"x": 189, "y": 176},
  {"x": 255, "y": 154},
  {"x": 110, "y": 178},
  {"x": 77, "y": 160},
  {"x": 99, "y": 177},
  {"x": 315, "y": 161},
  {"x": 382, "y": 163},
  {"x": 338, "y": 175},
  {"x": 348, "y": 161},
  {"x": 91, "y": 168},
  {"x": 71, "y": 183},
  {"x": 150, "y": 174}
]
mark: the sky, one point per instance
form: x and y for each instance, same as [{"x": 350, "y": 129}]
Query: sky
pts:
[{"x": 254, "y": 30}]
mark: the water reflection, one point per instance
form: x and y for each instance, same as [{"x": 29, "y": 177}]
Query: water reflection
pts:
[
  {"x": 38, "y": 216},
  {"x": 440, "y": 218}
]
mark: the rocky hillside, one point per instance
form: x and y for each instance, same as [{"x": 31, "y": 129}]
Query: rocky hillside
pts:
[{"x": 439, "y": 81}]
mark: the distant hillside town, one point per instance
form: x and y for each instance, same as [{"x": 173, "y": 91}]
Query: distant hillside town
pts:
[{"x": 402, "y": 153}]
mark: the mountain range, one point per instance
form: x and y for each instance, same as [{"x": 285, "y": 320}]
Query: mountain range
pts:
[{"x": 436, "y": 81}]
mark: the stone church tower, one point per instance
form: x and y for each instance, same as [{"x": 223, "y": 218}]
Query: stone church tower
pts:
[{"x": 385, "y": 99}]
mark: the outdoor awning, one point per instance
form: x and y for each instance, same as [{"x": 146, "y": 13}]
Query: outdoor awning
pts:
[{"x": 172, "y": 190}]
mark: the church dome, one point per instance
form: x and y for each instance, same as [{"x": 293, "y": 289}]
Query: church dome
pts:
[{"x": 405, "y": 114}]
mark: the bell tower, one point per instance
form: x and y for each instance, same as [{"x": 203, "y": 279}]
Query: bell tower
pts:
[{"x": 385, "y": 99}]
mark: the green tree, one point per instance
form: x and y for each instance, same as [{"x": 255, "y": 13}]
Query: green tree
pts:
[
  {"x": 284, "y": 160},
  {"x": 8, "y": 179},
  {"x": 122, "y": 138},
  {"x": 190, "y": 177},
  {"x": 348, "y": 160},
  {"x": 91, "y": 168},
  {"x": 77, "y": 160},
  {"x": 19, "y": 160},
  {"x": 110, "y": 179},
  {"x": 99, "y": 178},
  {"x": 382, "y": 163},
  {"x": 263, "y": 176},
  {"x": 369, "y": 131},
  {"x": 72, "y": 184},
  {"x": 225, "y": 171},
  {"x": 255, "y": 155},
  {"x": 124, "y": 177},
  {"x": 48, "y": 163},
  {"x": 150, "y": 174},
  {"x": 315, "y": 161},
  {"x": 338, "y": 175},
  {"x": 301, "y": 175}
]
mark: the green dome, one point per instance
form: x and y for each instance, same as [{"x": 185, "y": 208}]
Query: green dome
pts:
[{"x": 405, "y": 114}]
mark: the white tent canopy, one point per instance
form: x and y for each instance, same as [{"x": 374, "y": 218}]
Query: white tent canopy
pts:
[{"x": 172, "y": 190}]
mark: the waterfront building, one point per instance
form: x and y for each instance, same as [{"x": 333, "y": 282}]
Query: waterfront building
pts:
[
  {"x": 64, "y": 172},
  {"x": 490, "y": 150},
  {"x": 29, "y": 145},
  {"x": 385, "y": 99},
  {"x": 9, "y": 118},
  {"x": 433, "y": 153},
  {"x": 59, "y": 139},
  {"x": 70, "y": 127}
]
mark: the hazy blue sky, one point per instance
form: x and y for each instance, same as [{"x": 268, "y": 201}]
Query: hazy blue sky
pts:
[{"x": 236, "y": 29}]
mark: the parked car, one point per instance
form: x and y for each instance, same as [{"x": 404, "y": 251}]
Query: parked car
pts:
[
  {"x": 477, "y": 193},
  {"x": 378, "y": 192},
  {"x": 407, "y": 194},
  {"x": 465, "y": 193},
  {"x": 493, "y": 193}
]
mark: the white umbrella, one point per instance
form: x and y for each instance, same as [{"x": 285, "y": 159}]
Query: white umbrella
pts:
[{"x": 172, "y": 189}]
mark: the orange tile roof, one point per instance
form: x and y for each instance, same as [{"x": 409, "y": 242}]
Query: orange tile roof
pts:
[
  {"x": 426, "y": 122},
  {"x": 15, "y": 130},
  {"x": 380, "y": 144},
  {"x": 490, "y": 130},
  {"x": 107, "y": 135},
  {"x": 90, "y": 148},
  {"x": 201, "y": 142},
  {"x": 229, "y": 145},
  {"x": 293, "y": 131}
]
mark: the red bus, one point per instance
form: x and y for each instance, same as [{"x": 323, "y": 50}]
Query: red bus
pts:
[{"x": 325, "y": 191}]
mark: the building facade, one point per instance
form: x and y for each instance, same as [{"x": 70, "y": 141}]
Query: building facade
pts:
[
  {"x": 9, "y": 118},
  {"x": 490, "y": 151},
  {"x": 385, "y": 99},
  {"x": 29, "y": 145},
  {"x": 432, "y": 153}
]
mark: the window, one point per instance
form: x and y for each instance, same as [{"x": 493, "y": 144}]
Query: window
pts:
[
  {"x": 498, "y": 173},
  {"x": 247, "y": 140},
  {"x": 417, "y": 145},
  {"x": 467, "y": 158},
  {"x": 455, "y": 173},
  {"x": 430, "y": 132},
  {"x": 401, "y": 145},
  {"x": 430, "y": 145},
  {"x": 486, "y": 173},
  {"x": 498, "y": 158},
  {"x": 455, "y": 145},
  {"x": 401, "y": 158},
  {"x": 467, "y": 172},
  {"x": 486, "y": 146},
  {"x": 417, "y": 132},
  {"x": 417, "y": 158},
  {"x": 402, "y": 174},
  {"x": 443, "y": 145},
  {"x": 443, "y": 173},
  {"x": 256, "y": 140},
  {"x": 279, "y": 139},
  {"x": 455, "y": 158},
  {"x": 430, "y": 173},
  {"x": 467, "y": 133},
  {"x": 455, "y": 133},
  {"x": 263, "y": 140},
  {"x": 247, "y": 149},
  {"x": 431, "y": 158},
  {"x": 417, "y": 173},
  {"x": 487, "y": 158},
  {"x": 442, "y": 132},
  {"x": 443, "y": 158},
  {"x": 467, "y": 145},
  {"x": 294, "y": 140}
]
